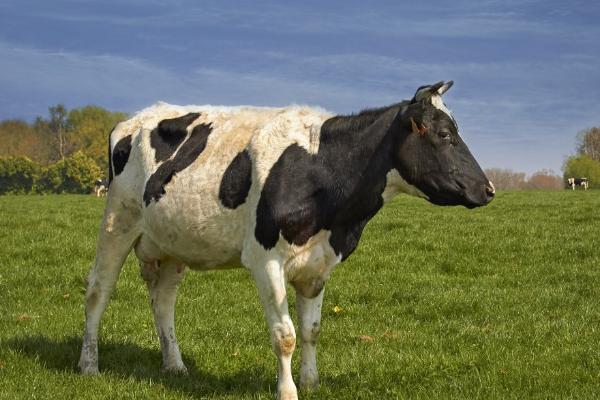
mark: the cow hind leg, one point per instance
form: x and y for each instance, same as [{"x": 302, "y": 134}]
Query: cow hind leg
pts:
[
  {"x": 118, "y": 231},
  {"x": 162, "y": 280},
  {"x": 309, "y": 318}
]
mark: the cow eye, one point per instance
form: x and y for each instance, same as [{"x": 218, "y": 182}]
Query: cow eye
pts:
[{"x": 445, "y": 135}]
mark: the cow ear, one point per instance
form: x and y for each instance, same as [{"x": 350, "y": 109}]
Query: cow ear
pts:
[
  {"x": 444, "y": 88},
  {"x": 426, "y": 92}
]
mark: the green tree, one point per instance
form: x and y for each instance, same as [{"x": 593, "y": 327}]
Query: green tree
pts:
[
  {"x": 90, "y": 127},
  {"x": 18, "y": 175},
  {"x": 62, "y": 133},
  {"x": 583, "y": 167},
  {"x": 60, "y": 153},
  {"x": 75, "y": 174}
]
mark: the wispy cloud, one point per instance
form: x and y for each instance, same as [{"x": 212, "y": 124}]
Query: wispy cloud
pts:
[
  {"x": 39, "y": 76},
  {"x": 460, "y": 19},
  {"x": 128, "y": 83}
]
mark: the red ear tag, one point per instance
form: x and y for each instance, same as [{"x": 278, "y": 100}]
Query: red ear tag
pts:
[{"x": 415, "y": 128}]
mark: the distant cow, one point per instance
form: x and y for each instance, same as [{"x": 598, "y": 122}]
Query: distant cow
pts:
[
  {"x": 583, "y": 182},
  {"x": 101, "y": 187},
  {"x": 284, "y": 192}
]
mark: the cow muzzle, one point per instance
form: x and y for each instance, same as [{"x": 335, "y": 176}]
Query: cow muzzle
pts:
[
  {"x": 490, "y": 191},
  {"x": 480, "y": 195}
]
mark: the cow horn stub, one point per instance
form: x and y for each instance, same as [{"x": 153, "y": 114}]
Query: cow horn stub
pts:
[{"x": 415, "y": 128}]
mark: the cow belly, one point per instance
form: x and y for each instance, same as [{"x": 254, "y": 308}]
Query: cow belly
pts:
[
  {"x": 202, "y": 255},
  {"x": 201, "y": 237}
]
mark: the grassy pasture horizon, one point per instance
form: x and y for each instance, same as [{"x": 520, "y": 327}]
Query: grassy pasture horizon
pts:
[{"x": 498, "y": 302}]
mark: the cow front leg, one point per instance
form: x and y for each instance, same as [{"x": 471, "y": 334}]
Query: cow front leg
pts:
[
  {"x": 309, "y": 317},
  {"x": 271, "y": 284},
  {"x": 162, "y": 280}
]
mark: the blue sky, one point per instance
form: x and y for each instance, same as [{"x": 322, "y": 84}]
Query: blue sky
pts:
[{"x": 527, "y": 73}]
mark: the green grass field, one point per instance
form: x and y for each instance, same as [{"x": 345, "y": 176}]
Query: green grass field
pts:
[{"x": 500, "y": 302}]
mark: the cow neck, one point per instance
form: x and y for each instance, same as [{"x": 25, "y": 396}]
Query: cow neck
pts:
[{"x": 356, "y": 149}]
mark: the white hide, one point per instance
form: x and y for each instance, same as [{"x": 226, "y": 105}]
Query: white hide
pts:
[
  {"x": 189, "y": 225},
  {"x": 190, "y": 211},
  {"x": 437, "y": 102}
]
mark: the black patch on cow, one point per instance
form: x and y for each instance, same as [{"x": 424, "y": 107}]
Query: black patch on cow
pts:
[
  {"x": 338, "y": 189},
  {"x": 110, "y": 170},
  {"x": 120, "y": 155},
  {"x": 188, "y": 152},
  {"x": 236, "y": 181},
  {"x": 169, "y": 134}
]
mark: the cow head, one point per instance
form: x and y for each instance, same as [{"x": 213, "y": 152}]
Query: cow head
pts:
[{"x": 431, "y": 156}]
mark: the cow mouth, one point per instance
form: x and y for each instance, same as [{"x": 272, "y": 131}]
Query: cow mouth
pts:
[
  {"x": 458, "y": 194},
  {"x": 482, "y": 197}
]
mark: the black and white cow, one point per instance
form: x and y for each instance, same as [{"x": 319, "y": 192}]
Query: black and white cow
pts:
[
  {"x": 101, "y": 187},
  {"x": 583, "y": 182},
  {"x": 283, "y": 192}
]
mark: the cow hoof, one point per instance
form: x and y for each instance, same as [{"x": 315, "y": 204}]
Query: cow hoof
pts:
[
  {"x": 287, "y": 394},
  {"x": 174, "y": 369},
  {"x": 308, "y": 383},
  {"x": 88, "y": 369}
]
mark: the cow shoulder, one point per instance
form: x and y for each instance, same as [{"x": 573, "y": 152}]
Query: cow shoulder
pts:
[{"x": 293, "y": 198}]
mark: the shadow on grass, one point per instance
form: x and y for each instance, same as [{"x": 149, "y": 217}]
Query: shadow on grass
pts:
[{"x": 127, "y": 360}]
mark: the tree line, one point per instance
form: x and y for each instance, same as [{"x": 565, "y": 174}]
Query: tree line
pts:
[
  {"x": 584, "y": 164},
  {"x": 65, "y": 152},
  {"x": 507, "y": 179}
]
